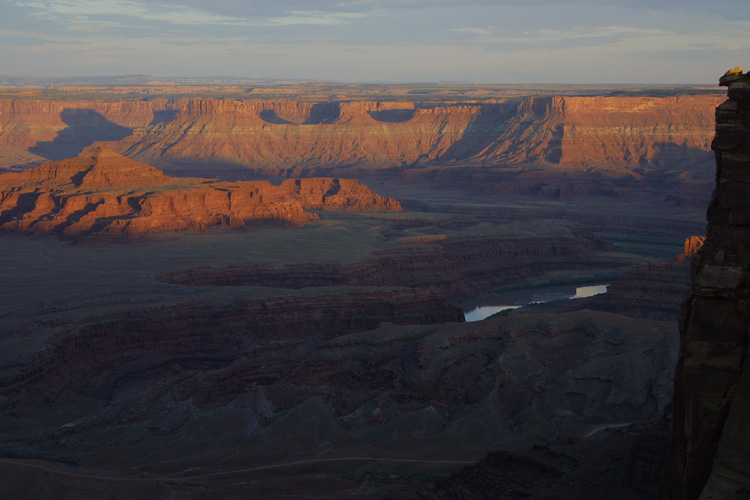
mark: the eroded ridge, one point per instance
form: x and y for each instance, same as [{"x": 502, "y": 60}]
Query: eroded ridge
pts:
[{"x": 101, "y": 192}]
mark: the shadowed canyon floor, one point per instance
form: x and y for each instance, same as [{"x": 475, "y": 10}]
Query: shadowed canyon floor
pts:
[
  {"x": 282, "y": 363},
  {"x": 331, "y": 360}
]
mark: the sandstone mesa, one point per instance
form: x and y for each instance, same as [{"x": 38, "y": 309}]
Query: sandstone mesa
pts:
[
  {"x": 101, "y": 192},
  {"x": 290, "y": 137}
]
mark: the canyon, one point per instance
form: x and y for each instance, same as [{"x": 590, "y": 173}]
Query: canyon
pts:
[
  {"x": 624, "y": 141},
  {"x": 199, "y": 300}
]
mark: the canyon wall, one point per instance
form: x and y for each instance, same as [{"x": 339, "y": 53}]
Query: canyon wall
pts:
[
  {"x": 709, "y": 453},
  {"x": 294, "y": 138},
  {"x": 34, "y": 130},
  {"x": 212, "y": 333},
  {"x": 653, "y": 290},
  {"x": 604, "y": 131}
]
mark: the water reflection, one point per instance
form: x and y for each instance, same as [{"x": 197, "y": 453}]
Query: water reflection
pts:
[
  {"x": 483, "y": 312},
  {"x": 589, "y": 291},
  {"x": 581, "y": 292}
]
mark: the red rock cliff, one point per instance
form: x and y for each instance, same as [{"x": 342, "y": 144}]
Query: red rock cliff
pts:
[
  {"x": 624, "y": 131},
  {"x": 711, "y": 438},
  {"x": 102, "y": 192},
  {"x": 26, "y": 123},
  {"x": 293, "y": 138}
]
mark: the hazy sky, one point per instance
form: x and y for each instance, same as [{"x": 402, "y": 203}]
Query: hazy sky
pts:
[{"x": 500, "y": 41}]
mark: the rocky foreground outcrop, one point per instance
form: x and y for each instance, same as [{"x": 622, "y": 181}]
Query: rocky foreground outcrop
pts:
[
  {"x": 103, "y": 193},
  {"x": 295, "y": 138},
  {"x": 257, "y": 382},
  {"x": 622, "y": 463},
  {"x": 711, "y": 437}
]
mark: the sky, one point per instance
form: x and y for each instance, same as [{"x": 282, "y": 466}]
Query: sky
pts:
[{"x": 392, "y": 41}]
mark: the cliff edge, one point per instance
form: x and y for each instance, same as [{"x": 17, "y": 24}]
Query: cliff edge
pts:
[
  {"x": 292, "y": 138},
  {"x": 710, "y": 452}
]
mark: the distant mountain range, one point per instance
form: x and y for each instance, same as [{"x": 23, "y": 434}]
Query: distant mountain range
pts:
[
  {"x": 141, "y": 80},
  {"x": 47, "y": 81}
]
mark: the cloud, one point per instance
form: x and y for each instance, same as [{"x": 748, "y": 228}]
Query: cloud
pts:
[
  {"x": 548, "y": 36},
  {"x": 95, "y": 10},
  {"x": 473, "y": 31},
  {"x": 354, "y": 2},
  {"x": 16, "y": 37},
  {"x": 116, "y": 12},
  {"x": 396, "y": 40},
  {"x": 312, "y": 17}
]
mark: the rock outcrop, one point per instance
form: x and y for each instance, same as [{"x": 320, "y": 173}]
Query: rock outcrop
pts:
[
  {"x": 691, "y": 248},
  {"x": 693, "y": 245},
  {"x": 103, "y": 193},
  {"x": 709, "y": 452}
]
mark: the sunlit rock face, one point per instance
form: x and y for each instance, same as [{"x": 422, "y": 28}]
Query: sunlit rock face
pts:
[
  {"x": 711, "y": 432},
  {"x": 296, "y": 138},
  {"x": 103, "y": 193}
]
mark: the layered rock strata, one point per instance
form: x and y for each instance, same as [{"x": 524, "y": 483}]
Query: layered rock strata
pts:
[
  {"x": 457, "y": 266},
  {"x": 711, "y": 437},
  {"x": 295, "y": 138},
  {"x": 107, "y": 348},
  {"x": 652, "y": 290},
  {"x": 103, "y": 193}
]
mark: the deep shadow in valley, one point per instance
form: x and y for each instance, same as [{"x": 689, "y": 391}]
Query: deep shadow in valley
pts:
[
  {"x": 84, "y": 126},
  {"x": 284, "y": 366},
  {"x": 331, "y": 361}
]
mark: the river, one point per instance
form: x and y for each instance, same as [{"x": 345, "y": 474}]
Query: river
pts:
[{"x": 521, "y": 298}]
